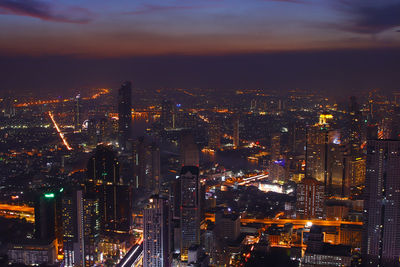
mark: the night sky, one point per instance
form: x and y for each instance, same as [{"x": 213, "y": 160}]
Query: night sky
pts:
[{"x": 331, "y": 45}]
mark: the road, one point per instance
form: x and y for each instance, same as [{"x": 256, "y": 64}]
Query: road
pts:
[
  {"x": 295, "y": 222},
  {"x": 17, "y": 211}
]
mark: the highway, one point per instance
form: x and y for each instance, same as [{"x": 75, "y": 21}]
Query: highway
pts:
[
  {"x": 16, "y": 211},
  {"x": 253, "y": 179},
  {"x": 59, "y": 131},
  {"x": 295, "y": 222},
  {"x": 133, "y": 258}
]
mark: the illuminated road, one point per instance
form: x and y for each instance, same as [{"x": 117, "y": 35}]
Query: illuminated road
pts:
[
  {"x": 102, "y": 91},
  {"x": 253, "y": 179},
  {"x": 59, "y": 132},
  {"x": 16, "y": 211},
  {"x": 296, "y": 222},
  {"x": 134, "y": 257}
]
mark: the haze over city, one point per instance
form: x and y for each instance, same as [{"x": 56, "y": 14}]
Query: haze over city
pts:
[{"x": 182, "y": 133}]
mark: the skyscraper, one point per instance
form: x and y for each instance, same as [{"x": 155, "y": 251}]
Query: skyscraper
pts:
[
  {"x": 381, "y": 229},
  {"x": 124, "y": 114},
  {"x": 236, "y": 140},
  {"x": 190, "y": 209},
  {"x": 146, "y": 165},
  {"x": 168, "y": 115},
  {"x": 81, "y": 228},
  {"x": 78, "y": 113},
  {"x": 189, "y": 150},
  {"x": 114, "y": 196},
  {"x": 310, "y": 199},
  {"x": 103, "y": 166},
  {"x": 214, "y": 136},
  {"x": 156, "y": 233}
]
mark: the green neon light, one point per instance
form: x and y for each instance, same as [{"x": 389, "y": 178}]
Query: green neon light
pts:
[
  {"x": 50, "y": 195},
  {"x": 62, "y": 189}
]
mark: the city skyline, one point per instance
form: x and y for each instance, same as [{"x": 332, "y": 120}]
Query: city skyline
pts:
[{"x": 190, "y": 133}]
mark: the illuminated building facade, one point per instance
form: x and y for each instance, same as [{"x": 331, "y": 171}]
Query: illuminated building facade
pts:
[
  {"x": 356, "y": 171},
  {"x": 81, "y": 224},
  {"x": 32, "y": 252},
  {"x": 381, "y": 228},
  {"x": 156, "y": 232},
  {"x": 124, "y": 114},
  {"x": 214, "y": 136},
  {"x": 190, "y": 209},
  {"x": 310, "y": 199}
]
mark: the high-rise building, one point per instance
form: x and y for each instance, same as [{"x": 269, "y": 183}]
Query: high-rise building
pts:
[
  {"x": 156, "y": 233},
  {"x": 190, "y": 209},
  {"x": 189, "y": 150},
  {"x": 146, "y": 166},
  {"x": 355, "y": 127},
  {"x": 381, "y": 228},
  {"x": 168, "y": 115},
  {"x": 275, "y": 146},
  {"x": 92, "y": 133},
  {"x": 124, "y": 114},
  {"x": 310, "y": 199},
  {"x": 214, "y": 136},
  {"x": 236, "y": 140},
  {"x": 81, "y": 228},
  {"x": 155, "y": 180},
  {"x": 48, "y": 218},
  {"x": 78, "y": 113},
  {"x": 317, "y": 140},
  {"x": 115, "y": 198},
  {"x": 103, "y": 166},
  {"x": 45, "y": 216}
]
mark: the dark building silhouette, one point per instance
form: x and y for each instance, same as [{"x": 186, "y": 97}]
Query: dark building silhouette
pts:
[
  {"x": 124, "y": 114},
  {"x": 190, "y": 209},
  {"x": 115, "y": 198},
  {"x": 78, "y": 113},
  {"x": 168, "y": 115},
  {"x": 381, "y": 229},
  {"x": 146, "y": 166}
]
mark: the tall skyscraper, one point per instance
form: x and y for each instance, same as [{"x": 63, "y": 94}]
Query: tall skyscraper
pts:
[
  {"x": 214, "y": 136},
  {"x": 190, "y": 209},
  {"x": 146, "y": 165},
  {"x": 236, "y": 140},
  {"x": 381, "y": 229},
  {"x": 78, "y": 113},
  {"x": 189, "y": 150},
  {"x": 310, "y": 199},
  {"x": 103, "y": 166},
  {"x": 45, "y": 216},
  {"x": 114, "y": 197},
  {"x": 355, "y": 127},
  {"x": 156, "y": 233},
  {"x": 168, "y": 115},
  {"x": 124, "y": 114},
  {"x": 81, "y": 228}
]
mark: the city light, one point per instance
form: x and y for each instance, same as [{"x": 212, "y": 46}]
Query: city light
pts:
[{"x": 59, "y": 131}]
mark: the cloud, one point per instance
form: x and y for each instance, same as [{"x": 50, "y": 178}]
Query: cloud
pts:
[
  {"x": 146, "y": 8},
  {"x": 45, "y": 11},
  {"x": 287, "y": 1},
  {"x": 369, "y": 16}
]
